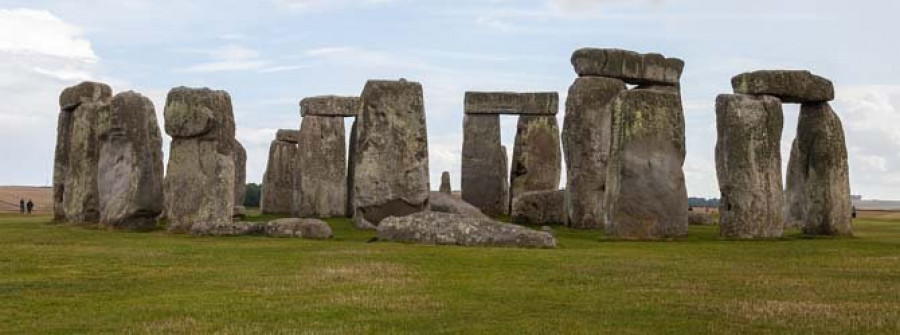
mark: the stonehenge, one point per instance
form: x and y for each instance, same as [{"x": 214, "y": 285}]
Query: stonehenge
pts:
[
  {"x": 279, "y": 181},
  {"x": 445, "y": 183},
  {"x": 455, "y": 229},
  {"x": 483, "y": 180},
  {"x": 321, "y": 156},
  {"x": 540, "y": 207},
  {"x": 536, "y": 159}
]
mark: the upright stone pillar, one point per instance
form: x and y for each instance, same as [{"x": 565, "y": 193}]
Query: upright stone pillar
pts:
[
  {"x": 130, "y": 171},
  {"x": 445, "y": 183},
  {"x": 537, "y": 160},
  {"x": 240, "y": 179},
  {"x": 279, "y": 180},
  {"x": 199, "y": 183},
  {"x": 482, "y": 178},
  {"x": 322, "y": 157},
  {"x": 748, "y": 166},
  {"x": 391, "y": 167}
]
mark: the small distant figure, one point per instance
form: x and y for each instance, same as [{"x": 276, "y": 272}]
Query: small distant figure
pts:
[
  {"x": 21, "y": 206},
  {"x": 30, "y": 206},
  {"x": 854, "y": 212}
]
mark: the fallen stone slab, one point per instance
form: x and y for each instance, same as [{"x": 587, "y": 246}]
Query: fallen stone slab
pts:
[
  {"x": 540, "y": 103},
  {"x": 314, "y": 229},
  {"x": 223, "y": 229},
  {"x": 540, "y": 207},
  {"x": 788, "y": 85},
  {"x": 455, "y": 229},
  {"x": 632, "y": 67},
  {"x": 445, "y": 203},
  {"x": 330, "y": 105}
]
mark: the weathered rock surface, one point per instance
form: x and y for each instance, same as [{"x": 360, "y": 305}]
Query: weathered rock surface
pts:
[
  {"x": 240, "y": 180},
  {"x": 586, "y": 139},
  {"x": 323, "y": 167},
  {"x": 288, "y": 135},
  {"x": 391, "y": 173},
  {"x": 818, "y": 182},
  {"x": 329, "y": 105},
  {"x": 130, "y": 170},
  {"x": 445, "y": 183},
  {"x": 540, "y": 207},
  {"x": 748, "y": 165},
  {"x": 789, "y": 86},
  {"x": 645, "y": 191},
  {"x": 277, "y": 193},
  {"x": 540, "y": 103},
  {"x": 314, "y": 229},
  {"x": 484, "y": 171},
  {"x": 226, "y": 229},
  {"x": 76, "y": 161},
  {"x": 629, "y": 66},
  {"x": 454, "y": 229},
  {"x": 199, "y": 184},
  {"x": 537, "y": 160},
  {"x": 445, "y": 203}
]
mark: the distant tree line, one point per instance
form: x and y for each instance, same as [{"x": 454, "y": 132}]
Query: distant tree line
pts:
[
  {"x": 253, "y": 195},
  {"x": 703, "y": 202}
]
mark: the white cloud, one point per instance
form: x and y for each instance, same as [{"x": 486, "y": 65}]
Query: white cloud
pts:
[
  {"x": 227, "y": 58},
  {"x": 318, "y": 5}
]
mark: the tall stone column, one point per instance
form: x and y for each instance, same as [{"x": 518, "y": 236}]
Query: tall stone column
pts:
[
  {"x": 240, "y": 179},
  {"x": 537, "y": 159},
  {"x": 483, "y": 174},
  {"x": 322, "y": 160},
  {"x": 277, "y": 194}
]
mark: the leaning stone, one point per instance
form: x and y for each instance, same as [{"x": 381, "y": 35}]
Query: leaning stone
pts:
[
  {"x": 748, "y": 165},
  {"x": 314, "y": 229},
  {"x": 632, "y": 67},
  {"x": 540, "y": 207},
  {"x": 240, "y": 180},
  {"x": 130, "y": 171},
  {"x": 445, "y": 183},
  {"x": 586, "y": 139},
  {"x": 541, "y": 103},
  {"x": 391, "y": 168},
  {"x": 277, "y": 193},
  {"x": 483, "y": 177},
  {"x": 537, "y": 160},
  {"x": 789, "y": 86},
  {"x": 645, "y": 191},
  {"x": 323, "y": 164},
  {"x": 454, "y": 229},
  {"x": 329, "y": 105},
  {"x": 445, "y": 203},
  {"x": 818, "y": 182}
]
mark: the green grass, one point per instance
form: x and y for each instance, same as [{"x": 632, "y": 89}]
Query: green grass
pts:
[{"x": 64, "y": 279}]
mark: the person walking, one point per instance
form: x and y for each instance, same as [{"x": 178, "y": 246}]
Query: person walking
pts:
[
  {"x": 21, "y": 206},
  {"x": 30, "y": 206}
]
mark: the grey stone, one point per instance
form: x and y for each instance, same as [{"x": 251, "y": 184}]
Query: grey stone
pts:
[
  {"x": 323, "y": 167},
  {"x": 445, "y": 203},
  {"x": 240, "y": 180},
  {"x": 226, "y": 229},
  {"x": 200, "y": 180},
  {"x": 748, "y": 165},
  {"x": 329, "y": 105},
  {"x": 629, "y": 66},
  {"x": 504, "y": 184},
  {"x": 818, "y": 182},
  {"x": 537, "y": 160},
  {"x": 586, "y": 139},
  {"x": 455, "y": 229},
  {"x": 130, "y": 170},
  {"x": 314, "y": 229},
  {"x": 391, "y": 167},
  {"x": 540, "y": 103},
  {"x": 484, "y": 171},
  {"x": 445, "y": 183},
  {"x": 277, "y": 193},
  {"x": 288, "y": 135},
  {"x": 645, "y": 194},
  {"x": 540, "y": 207},
  {"x": 789, "y": 86}
]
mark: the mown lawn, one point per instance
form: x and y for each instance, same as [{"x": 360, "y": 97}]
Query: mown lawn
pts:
[{"x": 63, "y": 279}]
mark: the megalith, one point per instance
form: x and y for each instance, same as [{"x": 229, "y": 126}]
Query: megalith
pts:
[
  {"x": 130, "y": 170},
  {"x": 788, "y": 85},
  {"x": 537, "y": 159},
  {"x": 391, "y": 163},
  {"x": 748, "y": 165},
  {"x": 76, "y": 161},
  {"x": 240, "y": 179},
  {"x": 322, "y": 160},
  {"x": 281, "y": 170},
  {"x": 199, "y": 183},
  {"x": 586, "y": 140},
  {"x": 632, "y": 67},
  {"x": 483, "y": 174},
  {"x": 540, "y": 207},
  {"x": 445, "y": 183}
]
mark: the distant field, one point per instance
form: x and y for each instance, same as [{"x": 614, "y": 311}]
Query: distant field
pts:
[
  {"x": 63, "y": 279},
  {"x": 41, "y": 196}
]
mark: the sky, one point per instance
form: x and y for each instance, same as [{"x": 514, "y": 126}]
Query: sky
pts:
[{"x": 269, "y": 54}]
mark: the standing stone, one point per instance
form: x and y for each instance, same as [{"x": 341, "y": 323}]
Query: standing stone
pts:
[
  {"x": 537, "y": 160},
  {"x": 748, "y": 165},
  {"x": 586, "y": 139},
  {"x": 540, "y": 207},
  {"x": 445, "y": 183},
  {"x": 76, "y": 161},
  {"x": 504, "y": 184},
  {"x": 281, "y": 172},
  {"x": 130, "y": 171},
  {"x": 199, "y": 184},
  {"x": 483, "y": 174},
  {"x": 322, "y": 160},
  {"x": 818, "y": 182},
  {"x": 391, "y": 173},
  {"x": 351, "y": 167},
  {"x": 645, "y": 190},
  {"x": 240, "y": 179}
]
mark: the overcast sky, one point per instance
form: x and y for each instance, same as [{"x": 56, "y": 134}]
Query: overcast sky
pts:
[{"x": 271, "y": 53}]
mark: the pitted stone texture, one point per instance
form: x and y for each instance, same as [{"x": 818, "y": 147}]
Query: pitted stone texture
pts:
[
  {"x": 484, "y": 169},
  {"x": 748, "y": 165},
  {"x": 789, "y": 86},
  {"x": 818, "y": 182},
  {"x": 226, "y": 229},
  {"x": 391, "y": 173},
  {"x": 540, "y": 207},
  {"x": 130, "y": 171},
  {"x": 541, "y": 103},
  {"x": 629, "y": 66},
  {"x": 200, "y": 180},
  {"x": 240, "y": 180},
  {"x": 323, "y": 164},
  {"x": 330, "y": 105},
  {"x": 277, "y": 194},
  {"x": 446, "y": 203},
  {"x": 537, "y": 160},
  {"x": 288, "y": 135},
  {"x": 645, "y": 194},
  {"x": 454, "y": 229},
  {"x": 504, "y": 185},
  {"x": 76, "y": 161},
  {"x": 313, "y": 229},
  {"x": 445, "y": 183},
  {"x": 586, "y": 140}
]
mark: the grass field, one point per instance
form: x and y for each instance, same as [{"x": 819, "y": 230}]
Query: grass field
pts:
[{"x": 63, "y": 279}]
